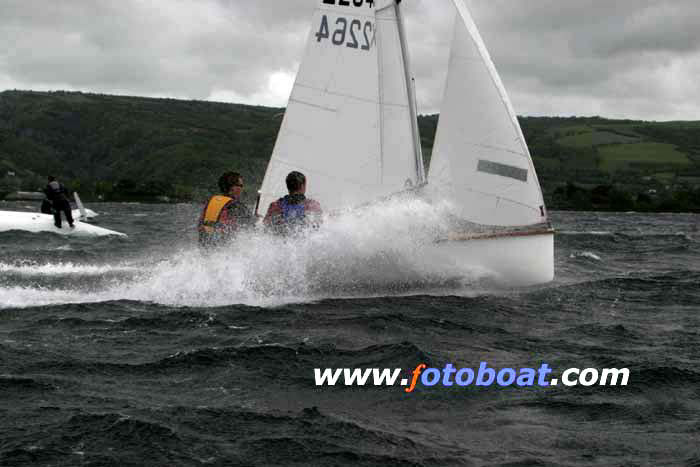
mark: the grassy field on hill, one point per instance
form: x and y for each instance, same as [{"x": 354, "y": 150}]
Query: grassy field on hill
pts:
[
  {"x": 133, "y": 148},
  {"x": 583, "y": 137},
  {"x": 650, "y": 156}
]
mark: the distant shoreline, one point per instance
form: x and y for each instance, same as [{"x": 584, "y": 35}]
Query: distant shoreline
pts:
[
  {"x": 136, "y": 149},
  {"x": 196, "y": 203}
]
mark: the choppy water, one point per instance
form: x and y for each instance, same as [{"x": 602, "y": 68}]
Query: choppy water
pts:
[{"x": 141, "y": 351}]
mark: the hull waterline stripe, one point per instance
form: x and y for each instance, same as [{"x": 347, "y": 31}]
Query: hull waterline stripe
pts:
[{"x": 466, "y": 236}]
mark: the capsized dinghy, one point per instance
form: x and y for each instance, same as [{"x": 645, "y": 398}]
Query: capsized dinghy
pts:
[{"x": 37, "y": 222}]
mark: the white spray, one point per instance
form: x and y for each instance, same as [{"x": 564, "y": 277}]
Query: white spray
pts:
[{"x": 374, "y": 251}]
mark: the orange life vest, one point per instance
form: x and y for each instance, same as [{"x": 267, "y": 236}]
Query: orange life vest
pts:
[{"x": 213, "y": 212}]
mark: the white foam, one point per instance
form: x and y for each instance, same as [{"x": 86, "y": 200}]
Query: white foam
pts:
[
  {"x": 585, "y": 254},
  {"x": 354, "y": 252},
  {"x": 377, "y": 250},
  {"x": 30, "y": 268},
  {"x": 24, "y": 297}
]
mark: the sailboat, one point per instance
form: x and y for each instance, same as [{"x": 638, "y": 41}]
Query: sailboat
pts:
[{"x": 351, "y": 126}]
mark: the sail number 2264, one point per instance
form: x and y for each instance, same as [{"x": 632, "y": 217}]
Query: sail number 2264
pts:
[
  {"x": 357, "y": 3},
  {"x": 354, "y": 34}
]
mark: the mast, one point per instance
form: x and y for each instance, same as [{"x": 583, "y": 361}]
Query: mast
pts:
[{"x": 411, "y": 90}]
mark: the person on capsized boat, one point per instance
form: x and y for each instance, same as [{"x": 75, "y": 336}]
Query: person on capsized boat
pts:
[
  {"x": 294, "y": 211},
  {"x": 224, "y": 215},
  {"x": 58, "y": 195}
]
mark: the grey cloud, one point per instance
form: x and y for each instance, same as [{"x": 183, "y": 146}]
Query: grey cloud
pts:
[
  {"x": 662, "y": 28},
  {"x": 633, "y": 57},
  {"x": 151, "y": 48},
  {"x": 612, "y": 57}
]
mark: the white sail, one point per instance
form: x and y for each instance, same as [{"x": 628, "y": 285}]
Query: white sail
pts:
[
  {"x": 480, "y": 159},
  {"x": 347, "y": 126},
  {"x": 81, "y": 213},
  {"x": 79, "y": 203}
]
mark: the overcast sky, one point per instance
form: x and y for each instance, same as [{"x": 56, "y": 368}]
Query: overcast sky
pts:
[{"x": 620, "y": 59}]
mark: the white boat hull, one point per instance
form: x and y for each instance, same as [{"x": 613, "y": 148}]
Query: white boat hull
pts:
[
  {"x": 510, "y": 261},
  {"x": 36, "y": 222}
]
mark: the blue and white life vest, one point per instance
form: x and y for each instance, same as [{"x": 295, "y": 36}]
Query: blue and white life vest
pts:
[{"x": 293, "y": 213}]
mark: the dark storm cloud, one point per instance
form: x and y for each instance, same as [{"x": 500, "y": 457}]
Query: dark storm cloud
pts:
[{"x": 627, "y": 58}]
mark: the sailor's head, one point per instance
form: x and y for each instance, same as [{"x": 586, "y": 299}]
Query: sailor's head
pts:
[
  {"x": 51, "y": 178},
  {"x": 296, "y": 183},
  {"x": 231, "y": 183}
]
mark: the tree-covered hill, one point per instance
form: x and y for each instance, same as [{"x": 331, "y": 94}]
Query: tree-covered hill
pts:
[
  {"x": 123, "y": 148},
  {"x": 116, "y": 146}
]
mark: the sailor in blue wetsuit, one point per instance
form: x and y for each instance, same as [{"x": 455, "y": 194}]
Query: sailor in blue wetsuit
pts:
[
  {"x": 58, "y": 195},
  {"x": 294, "y": 211}
]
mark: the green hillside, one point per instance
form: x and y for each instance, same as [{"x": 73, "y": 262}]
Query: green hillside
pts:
[
  {"x": 128, "y": 148},
  {"x": 595, "y": 163},
  {"x": 591, "y": 163},
  {"x": 131, "y": 147}
]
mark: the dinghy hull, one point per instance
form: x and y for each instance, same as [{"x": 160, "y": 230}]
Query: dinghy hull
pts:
[
  {"x": 35, "y": 222},
  {"x": 513, "y": 260}
]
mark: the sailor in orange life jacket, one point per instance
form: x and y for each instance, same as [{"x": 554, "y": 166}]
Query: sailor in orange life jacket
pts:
[
  {"x": 224, "y": 215},
  {"x": 294, "y": 211}
]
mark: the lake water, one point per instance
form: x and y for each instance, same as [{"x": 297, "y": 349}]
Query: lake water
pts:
[{"x": 144, "y": 351}]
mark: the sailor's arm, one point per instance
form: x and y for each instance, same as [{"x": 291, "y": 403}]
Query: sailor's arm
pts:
[
  {"x": 273, "y": 214},
  {"x": 314, "y": 212},
  {"x": 315, "y": 207}
]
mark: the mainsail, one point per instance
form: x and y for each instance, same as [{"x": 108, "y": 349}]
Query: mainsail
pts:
[
  {"x": 480, "y": 159},
  {"x": 348, "y": 125}
]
